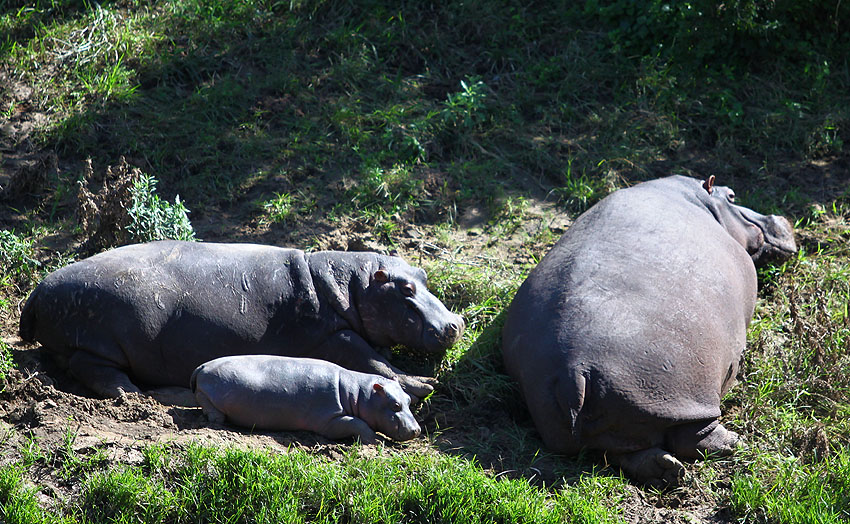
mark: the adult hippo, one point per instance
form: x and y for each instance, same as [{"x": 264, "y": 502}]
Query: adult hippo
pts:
[
  {"x": 628, "y": 333},
  {"x": 152, "y": 313}
]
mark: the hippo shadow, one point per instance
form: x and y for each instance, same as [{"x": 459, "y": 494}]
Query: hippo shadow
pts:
[{"x": 477, "y": 412}]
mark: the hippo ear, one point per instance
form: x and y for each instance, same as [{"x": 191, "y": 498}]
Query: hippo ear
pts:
[
  {"x": 381, "y": 276},
  {"x": 378, "y": 388},
  {"x": 708, "y": 185}
]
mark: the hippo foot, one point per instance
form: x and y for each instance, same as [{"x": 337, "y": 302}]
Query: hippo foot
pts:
[
  {"x": 213, "y": 414},
  {"x": 417, "y": 387},
  {"x": 720, "y": 442},
  {"x": 100, "y": 375},
  {"x": 114, "y": 390},
  {"x": 654, "y": 467},
  {"x": 698, "y": 439},
  {"x": 347, "y": 426}
]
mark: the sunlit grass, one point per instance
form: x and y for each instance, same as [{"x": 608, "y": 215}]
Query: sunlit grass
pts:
[
  {"x": 309, "y": 114},
  {"x": 226, "y": 485}
]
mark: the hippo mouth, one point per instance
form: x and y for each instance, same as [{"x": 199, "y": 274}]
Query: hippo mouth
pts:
[
  {"x": 771, "y": 254},
  {"x": 438, "y": 339},
  {"x": 775, "y": 241},
  {"x": 406, "y": 430}
]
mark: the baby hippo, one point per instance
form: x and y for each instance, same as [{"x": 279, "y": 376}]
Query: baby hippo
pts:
[{"x": 287, "y": 394}]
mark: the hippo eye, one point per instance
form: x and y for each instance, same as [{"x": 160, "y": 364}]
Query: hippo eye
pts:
[
  {"x": 396, "y": 407},
  {"x": 408, "y": 289},
  {"x": 731, "y": 197}
]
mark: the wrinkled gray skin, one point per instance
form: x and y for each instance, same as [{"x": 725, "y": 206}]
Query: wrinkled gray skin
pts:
[
  {"x": 152, "y": 313},
  {"x": 288, "y": 394},
  {"x": 628, "y": 333}
]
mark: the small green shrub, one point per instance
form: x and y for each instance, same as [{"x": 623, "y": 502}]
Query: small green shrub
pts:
[
  {"x": 279, "y": 209},
  {"x": 6, "y": 362},
  {"x": 466, "y": 109},
  {"x": 17, "y": 257},
  {"x": 392, "y": 190},
  {"x": 152, "y": 218}
]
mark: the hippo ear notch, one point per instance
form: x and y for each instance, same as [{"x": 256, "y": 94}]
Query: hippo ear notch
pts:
[{"x": 708, "y": 185}]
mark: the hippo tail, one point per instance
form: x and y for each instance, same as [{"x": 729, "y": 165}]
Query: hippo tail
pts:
[
  {"x": 28, "y": 323},
  {"x": 193, "y": 380},
  {"x": 570, "y": 393}
]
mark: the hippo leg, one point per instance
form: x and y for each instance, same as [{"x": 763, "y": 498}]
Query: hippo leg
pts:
[
  {"x": 213, "y": 414},
  {"x": 348, "y": 426},
  {"x": 349, "y": 350},
  {"x": 697, "y": 439},
  {"x": 654, "y": 466},
  {"x": 100, "y": 375}
]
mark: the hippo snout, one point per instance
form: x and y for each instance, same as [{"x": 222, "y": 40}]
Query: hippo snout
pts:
[
  {"x": 778, "y": 241},
  {"x": 407, "y": 430},
  {"x": 450, "y": 332}
]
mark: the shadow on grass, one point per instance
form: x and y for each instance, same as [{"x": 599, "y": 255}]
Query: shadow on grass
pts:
[
  {"x": 227, "y": 110},
  {"x": 477, "y": 412}
]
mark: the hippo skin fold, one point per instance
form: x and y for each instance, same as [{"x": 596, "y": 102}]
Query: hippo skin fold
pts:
[
  {"x": 630, "y": 330},
  {"x": 289, "y": 394},
  {"x": 151, "y": 313}
]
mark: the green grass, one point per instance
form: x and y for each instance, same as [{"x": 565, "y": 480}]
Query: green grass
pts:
[
  {"x": 366, "y": 93},
  {"x": 785, "y": 489},
  {"x": 6, "y": 362},
  {"x": 232, "y": 485}
]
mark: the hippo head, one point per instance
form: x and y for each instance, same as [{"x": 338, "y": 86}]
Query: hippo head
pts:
[
  {"x": 766, "y": 238},
  {"x": 389, "y": 411},
  {"x": 397, "y": 308}
]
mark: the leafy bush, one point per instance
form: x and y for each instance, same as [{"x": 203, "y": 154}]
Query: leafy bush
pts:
[
  {"x": 16, "y": 257},
  {"x": 126, "y": 209},
  {"x": 152, "y": 218},
  {"x": 703, "y": 33}
]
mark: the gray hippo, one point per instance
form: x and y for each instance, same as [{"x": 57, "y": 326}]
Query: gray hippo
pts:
[
  {"x": 288, "y": 394},
  {"x": 629, "y": 332},
  {"x": 156, "y": 311}
]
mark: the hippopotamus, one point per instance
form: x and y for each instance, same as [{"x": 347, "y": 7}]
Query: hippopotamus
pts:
[
  {"x": 629, "y": 331},
  {"x": 151, "y": 313},
  {"x": 287, "y": 394}
]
